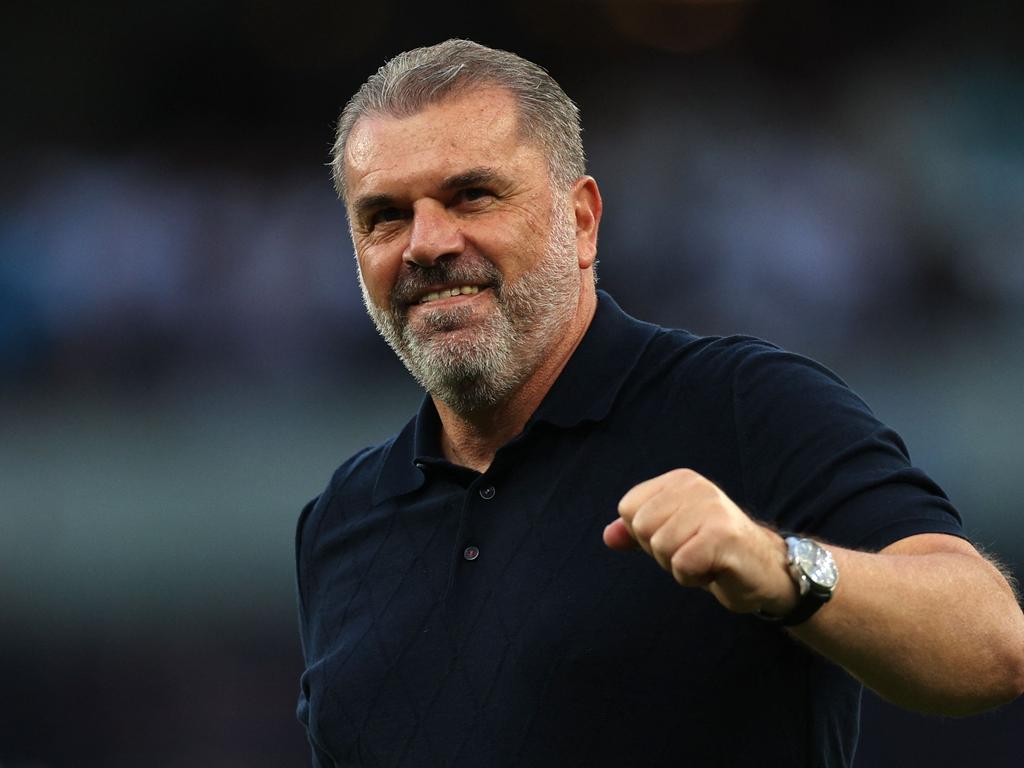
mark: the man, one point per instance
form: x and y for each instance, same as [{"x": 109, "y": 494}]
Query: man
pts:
[{"x": 601, "y": 542}]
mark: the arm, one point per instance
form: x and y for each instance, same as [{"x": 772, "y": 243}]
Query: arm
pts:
[{"x": 927, "y": 623}]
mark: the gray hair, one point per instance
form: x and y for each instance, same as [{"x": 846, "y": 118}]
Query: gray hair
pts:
[{"x": 415, "y": 79}]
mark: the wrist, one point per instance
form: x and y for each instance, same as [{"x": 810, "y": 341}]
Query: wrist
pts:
[
  {"x": 784, "y": 592},
  {"x": 813, "y": 575}
]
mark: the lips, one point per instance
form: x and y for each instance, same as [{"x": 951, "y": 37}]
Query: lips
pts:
[
  {"x": 447, "y": 293},
  {"x": 466, "y": 276}
]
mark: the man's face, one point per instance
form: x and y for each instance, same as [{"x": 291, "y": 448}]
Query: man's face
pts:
[{"x": 467, "y": 261}]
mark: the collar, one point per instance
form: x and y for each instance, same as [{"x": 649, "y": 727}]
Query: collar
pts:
[
  {"x": 584, "y": 391},
  {"x": 604, "y": 359}
]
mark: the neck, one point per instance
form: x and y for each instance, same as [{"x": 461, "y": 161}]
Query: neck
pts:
[{"x": 472, "y": 439}]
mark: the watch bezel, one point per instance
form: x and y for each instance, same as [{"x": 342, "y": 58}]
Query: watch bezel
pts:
[
  {"x": 812, "y": 594},
  {"x": 804, "y": 572}
]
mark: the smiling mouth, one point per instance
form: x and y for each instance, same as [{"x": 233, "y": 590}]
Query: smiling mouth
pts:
[{"x": 447, "y": 293}]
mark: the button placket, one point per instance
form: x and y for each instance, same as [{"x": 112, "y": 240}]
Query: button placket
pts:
[{"x": 472, "y": 552}]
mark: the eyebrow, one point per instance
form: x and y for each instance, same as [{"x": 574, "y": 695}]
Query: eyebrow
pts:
[
  {"x": 472, "y": 177},
  {"x": 366, "y": 204}
]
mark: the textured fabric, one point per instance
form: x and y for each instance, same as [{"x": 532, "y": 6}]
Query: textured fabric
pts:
[{"x": 453, "y": 618}]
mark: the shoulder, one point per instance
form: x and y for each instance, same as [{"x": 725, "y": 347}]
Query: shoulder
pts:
[
  {"x": 730, "y": 367},
  {"x": 768, "y": 392},
  {"x": 729, "y": 355},
  {"x": 351, "y": 487},
  {"x": 356, "y": 477}
]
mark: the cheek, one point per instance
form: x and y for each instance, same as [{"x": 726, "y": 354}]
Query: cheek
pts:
[
  {"x": 514, "y": 248},
  {"x": 378, "y": 274},
  {"x": 529, "y": 253}
]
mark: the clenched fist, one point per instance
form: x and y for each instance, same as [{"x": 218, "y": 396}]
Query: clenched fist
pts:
[{"x": 696, "y": 533}]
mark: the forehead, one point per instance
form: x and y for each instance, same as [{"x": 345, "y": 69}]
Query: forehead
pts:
[{"x": 478, "y": 128}]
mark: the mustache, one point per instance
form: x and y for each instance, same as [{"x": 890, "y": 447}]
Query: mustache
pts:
[{"x": 416, "y": 279}]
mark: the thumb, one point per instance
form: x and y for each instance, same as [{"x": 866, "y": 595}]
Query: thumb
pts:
[{"x": 618, "y": 537}]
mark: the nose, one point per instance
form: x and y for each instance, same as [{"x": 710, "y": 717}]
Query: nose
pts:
[{"x": 434, "y": 234}]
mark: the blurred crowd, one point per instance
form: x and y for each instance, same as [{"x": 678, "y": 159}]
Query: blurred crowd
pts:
[
  {"x": 184, "y": 356},
  {"x": 890, "y": 214}
]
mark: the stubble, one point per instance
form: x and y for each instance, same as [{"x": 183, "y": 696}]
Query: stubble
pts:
[{"x": 473, "y": 365}]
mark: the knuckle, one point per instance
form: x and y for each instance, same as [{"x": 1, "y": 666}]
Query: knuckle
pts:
[
  {"x": 678, "y": 561},
  {"x": 644, "y": 526},
  {"x": 685, "y": 477},
  {"x": 626, "y": 508},
  {"x": 659, "y": 543},
  {"x": 727, "y": 531},
  {"x": 631, "y": 500},
  {"x": 692, "y": 561},
  {"x": 682, "y": 574}
]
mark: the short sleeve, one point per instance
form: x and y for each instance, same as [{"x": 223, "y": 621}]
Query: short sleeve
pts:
[{"x": 816, "y": 460}]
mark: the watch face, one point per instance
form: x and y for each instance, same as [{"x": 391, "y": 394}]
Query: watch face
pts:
[{"x": 816, "y": 563}]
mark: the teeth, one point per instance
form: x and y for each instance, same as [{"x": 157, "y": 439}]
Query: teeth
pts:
[{"x": 462, "y": 290}]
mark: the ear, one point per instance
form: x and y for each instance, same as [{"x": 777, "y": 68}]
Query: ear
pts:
[{"x": 587, "y": 206}]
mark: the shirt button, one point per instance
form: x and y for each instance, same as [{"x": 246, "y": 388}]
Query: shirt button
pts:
[
  {"x": 487, "y": 492},
  {"x": 471, "y": 553}
]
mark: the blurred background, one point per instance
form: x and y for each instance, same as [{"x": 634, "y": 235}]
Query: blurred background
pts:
[{"x": 184, "y": 358}]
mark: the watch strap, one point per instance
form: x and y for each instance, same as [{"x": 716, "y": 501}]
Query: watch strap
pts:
[
  {"x": 807, "y": 605},
  {"x": 810, "y": 597}
]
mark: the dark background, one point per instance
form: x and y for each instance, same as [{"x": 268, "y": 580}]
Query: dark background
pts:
[{"x": 184, "y": 358}]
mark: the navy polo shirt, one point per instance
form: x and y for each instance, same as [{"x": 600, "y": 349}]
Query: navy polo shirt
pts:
[{"x": 452, "y": 618}]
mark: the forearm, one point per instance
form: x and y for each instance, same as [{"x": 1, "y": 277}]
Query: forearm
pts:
[
  {"x": 938, "y": 632},
  {"x": 927, "y": 623}
]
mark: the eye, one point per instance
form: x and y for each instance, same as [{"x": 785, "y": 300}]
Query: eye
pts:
[
  {"x": 473, "y": 194},
  {"x": 386, "y": 216}
]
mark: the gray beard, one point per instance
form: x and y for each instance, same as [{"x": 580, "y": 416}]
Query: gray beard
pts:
[{"x": 474, "y": 370}]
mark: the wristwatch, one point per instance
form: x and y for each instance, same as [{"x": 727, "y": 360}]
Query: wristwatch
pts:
[{"x": 814, "y": 571}]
